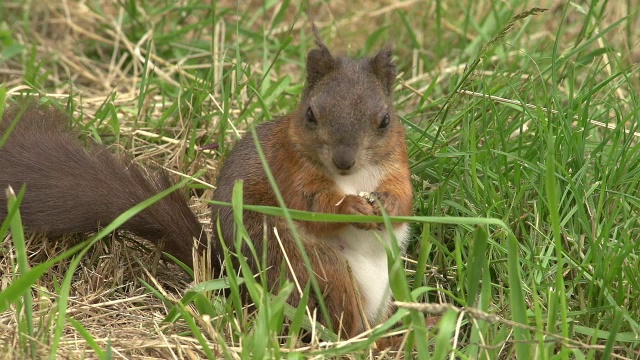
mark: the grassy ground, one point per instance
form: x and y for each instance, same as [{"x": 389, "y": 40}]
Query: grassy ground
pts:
[{"x": 524, "y": 154}]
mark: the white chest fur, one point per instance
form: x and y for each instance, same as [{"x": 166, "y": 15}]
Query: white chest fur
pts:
[{"x": 365, "y": 250}]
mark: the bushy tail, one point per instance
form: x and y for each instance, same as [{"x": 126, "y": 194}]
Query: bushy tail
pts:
[{"x": 71, "y": 188}]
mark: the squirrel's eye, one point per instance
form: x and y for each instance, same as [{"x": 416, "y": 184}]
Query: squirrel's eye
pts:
[
  {"x": 311, "y": 117},
  {"x": 385, "y": 121}
]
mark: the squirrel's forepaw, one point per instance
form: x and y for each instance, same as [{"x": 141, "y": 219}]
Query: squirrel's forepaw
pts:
[
  {"x": 384, "y": 199},
  {"x": 358, "y": 205}
]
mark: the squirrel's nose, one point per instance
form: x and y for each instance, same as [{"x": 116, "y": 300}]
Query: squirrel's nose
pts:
[{"x": 343, "y": 161}]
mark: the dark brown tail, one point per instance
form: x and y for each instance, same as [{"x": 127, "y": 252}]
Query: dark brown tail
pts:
[{"x": 71, "y": 188}]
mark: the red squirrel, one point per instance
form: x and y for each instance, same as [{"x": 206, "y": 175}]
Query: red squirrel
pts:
[{"x": 344, "y": 139}]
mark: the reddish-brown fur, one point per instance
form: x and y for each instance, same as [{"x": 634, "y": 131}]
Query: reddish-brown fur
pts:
[{"x": 307, "y": 183}]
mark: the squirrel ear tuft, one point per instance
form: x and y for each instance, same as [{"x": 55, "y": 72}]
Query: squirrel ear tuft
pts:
[
  {"x": 320, "y": 62},
  {"x": 384, "y": 68}
]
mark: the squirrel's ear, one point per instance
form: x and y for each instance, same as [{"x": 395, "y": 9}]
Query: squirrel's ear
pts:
[
  {"x": 320, "y": 62},
  {"x": 384, "y": 69}
]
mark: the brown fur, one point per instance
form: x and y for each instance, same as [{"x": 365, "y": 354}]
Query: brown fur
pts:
[{"x": 71, "y": 188}]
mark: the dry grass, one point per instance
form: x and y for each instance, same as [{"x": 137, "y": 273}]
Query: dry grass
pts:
[{"x": 107, "y": 298}]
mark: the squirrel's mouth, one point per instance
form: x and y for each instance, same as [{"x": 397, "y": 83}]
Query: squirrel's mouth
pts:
[{"x": 345, "y": 172}]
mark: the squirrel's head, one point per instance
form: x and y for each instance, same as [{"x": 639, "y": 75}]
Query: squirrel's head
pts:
[{"x": 346, "y": 121}]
